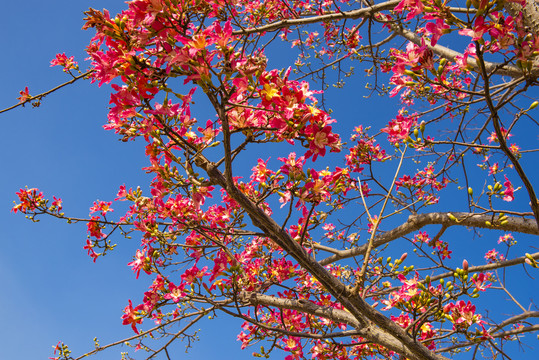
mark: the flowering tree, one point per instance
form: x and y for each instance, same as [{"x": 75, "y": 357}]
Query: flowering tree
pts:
[{"x": 317, "y": 249}]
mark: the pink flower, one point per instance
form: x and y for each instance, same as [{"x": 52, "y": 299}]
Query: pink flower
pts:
[
  {"x": 57, "y": 204},
  {"x": 399, "y": 128},
  {"x": 515, "y": 149},
  {"x": 94, "y": 228},
  {"x": 319, "y": 139},
  {"x": 89, "y": 246},
  {"x": 480, "y": 281},
  {"x": 509, "y": 192},
  {"x": 141, "y": 262},
  {"x": 191, "y": 275},
  {"x": 422, "y": 236},
  {"x": 30, "y": 200},
  {"x": 175, "y": 292},
  {"x": 293, "y": 167},
  {"x": 63, "y": 60},
  {"x": 493, "y": 169},
  {"x": 462, "y": 314},
  {"x": 102, "y": 206},
  {"x": 494, "y": 138},
  {"x": 25, "y": 96},
  {"x": 437, "y": 30},
  {"x": 131, "y": 317},
  {"x": 414, "y": 7},
  {"x": 507, "y": 238},
  {"x": 493, "y": 256},
  {"x": 478, "y": 30},
  {"x": 260, "y": 172}
]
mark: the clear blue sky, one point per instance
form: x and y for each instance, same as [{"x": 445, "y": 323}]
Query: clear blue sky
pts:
[{"x": 51, "y": 290}]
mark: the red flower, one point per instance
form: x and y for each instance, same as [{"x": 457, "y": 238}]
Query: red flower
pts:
[
  {"x": 25, "y": 96},
  {"x": 30, "y": 200},
  {"x": 509, "y": 192},
  {"x": 65, "y": 62},
  {"x": 131, "y": 317}
]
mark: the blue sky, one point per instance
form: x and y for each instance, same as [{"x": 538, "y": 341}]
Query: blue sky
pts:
[{"x": 51, "y": 290}]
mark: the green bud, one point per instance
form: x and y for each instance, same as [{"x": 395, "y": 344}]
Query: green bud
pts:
[{"x": 410, "y": 73}]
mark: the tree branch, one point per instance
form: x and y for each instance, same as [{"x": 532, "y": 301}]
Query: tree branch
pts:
[
  {"x": 286, "y": 23},
  {"x": 416, "y": 222},
  {"x": 302, "y": 305},
  {"x": 497, "y": 335}
]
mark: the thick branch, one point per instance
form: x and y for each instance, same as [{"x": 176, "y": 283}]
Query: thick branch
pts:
[
  {"x": 515, "y": 319},
  {"x": 451, "y": 55},
  {"x": 530, "y": 13},
  {"x": 305, "y": 306},
  {"x": 286, "y": 23},
  {"x": 416, "y": 222}
]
